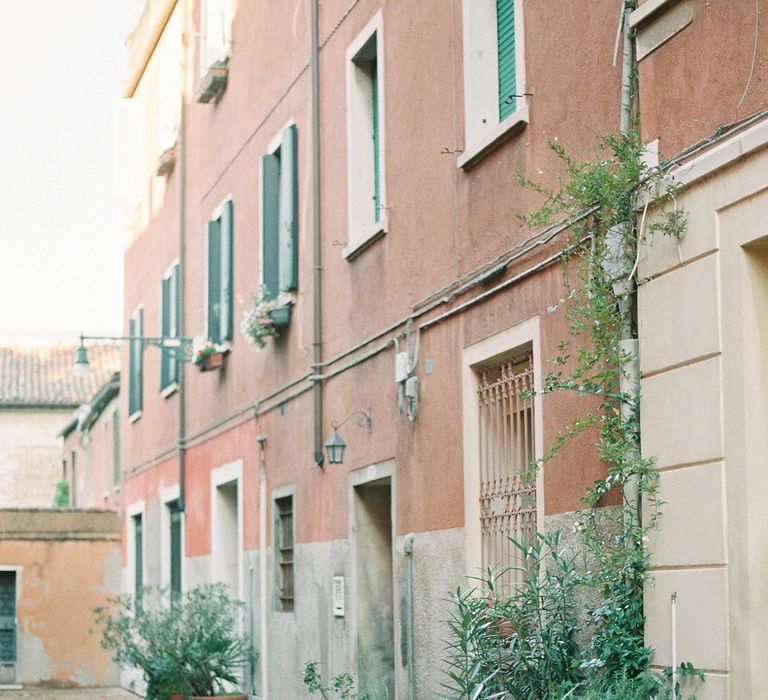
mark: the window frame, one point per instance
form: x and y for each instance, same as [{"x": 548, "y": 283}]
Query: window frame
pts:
[
  {"x": 222, "y": 213},
  {"x": 282, "y": 494},
  {"x": 366, "y": 117},
  {"x": 526, "y": 333},
  {"x": 205, "y": 63},
  {"x": 170, "y": 365},
  {"x": 136, "y": 364},
  {"x": 483, "y": 133},
  {"x": 279, "y": 230}
]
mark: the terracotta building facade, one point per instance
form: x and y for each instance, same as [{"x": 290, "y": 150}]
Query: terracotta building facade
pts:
[{"x": 354, "y": 167}]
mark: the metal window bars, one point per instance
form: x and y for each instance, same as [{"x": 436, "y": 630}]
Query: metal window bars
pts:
[{"x": 507, "y": 483}]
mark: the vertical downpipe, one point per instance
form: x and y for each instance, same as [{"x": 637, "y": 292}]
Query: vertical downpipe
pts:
[
  {"x": 263, "y": 575},
  {"x": 407, "y": 631},
  {"x": 182, "y": 170},
  {"x": 629, "y": 371},
  {"x": 317, "y": 321}
]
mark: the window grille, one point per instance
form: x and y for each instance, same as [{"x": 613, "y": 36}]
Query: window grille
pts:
[
  {"x": 284, "y": 542},
  {"x": 507, "y": 484}
]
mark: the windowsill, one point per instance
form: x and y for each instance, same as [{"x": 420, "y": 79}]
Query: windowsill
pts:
[
  {"x": 169, "y": 390},
  {"x": 494, "y": 138},
  {"x": 646, "y": 10},
  {"x": 354, "y": 248},
  {"x": 134, "y": 416}
]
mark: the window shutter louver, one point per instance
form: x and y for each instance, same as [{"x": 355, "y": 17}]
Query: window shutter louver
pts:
[
  {"x": 287, "y": 254},
  {"x": 139, "y": 359},
  {"x": 227, "y": 283},
  {"x": 165, "y": 331},
  {"x": 270, "y": 223},
  {"x": 132, "y": 368},
  {"x": 175, "y": 330},
  {"x": 214, "y": 281},
  {"x": 505, "y": 24}
]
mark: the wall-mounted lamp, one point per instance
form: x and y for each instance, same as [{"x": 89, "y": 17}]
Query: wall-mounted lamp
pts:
[
  {"x": 181, "y": 348},
  {"x": 334, "y": 445}
]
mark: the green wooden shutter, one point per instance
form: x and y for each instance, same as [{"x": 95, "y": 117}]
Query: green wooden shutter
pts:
[
  {"x": 214, "y": 281},
  {"x": 270, "y": 223},
  {"x": 288, "y": 245},
  {"x": 116, "y": 467},
  {"x": 227, "y": 281},
  {"x": 505, "y": 26},
  {"x": 376, "y": 141},
  {"x": 138, "y": 561},
  {"x": 140, "y": 358},
  {"x": 175, "y": 518},
  {"x": 165, "y": 331},
  {"x": 135, "y": 329},
  {"x": 174, "y": 329}
]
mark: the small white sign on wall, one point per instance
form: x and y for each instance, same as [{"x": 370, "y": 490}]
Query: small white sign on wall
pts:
[{"x": 338, "y": 596}]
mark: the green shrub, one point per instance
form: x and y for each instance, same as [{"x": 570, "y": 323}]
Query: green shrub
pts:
[{"x": 61, "y": 495}]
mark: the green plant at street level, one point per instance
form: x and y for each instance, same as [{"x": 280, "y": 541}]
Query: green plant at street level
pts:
[
  {"x": 599, "y": 200},
  {"x": 61, "y": 495},
  {"x": 342, "y": 685},
  {"x": 185, "y": 643},
  {"x": 522, "y": 643}
]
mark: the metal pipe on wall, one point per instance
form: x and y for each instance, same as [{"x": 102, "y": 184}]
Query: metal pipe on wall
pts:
[
  {"x": 182, "y": 171},
  {"x": 409, "y": 655},
  {"x": 317, "y": 259}
]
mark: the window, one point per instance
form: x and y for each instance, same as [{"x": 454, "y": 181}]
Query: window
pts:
[
  {"x": 169, "y": 327},
  {"x": 116, "y": 467},
  {"x": 136, "y": 363},
  {"x": 279, "y": 230},
  {"x": 506, "y": 442},
  {"x": 284, "y": 550},
  {"x": 493, "y": 76},
  {"x": 174, "y": 542},
  {"x": 216, "y": 32},
  {"x": 219, "y": 306},
  {"x": 365, "y": 138},
  {"x": 138, "y": 552}
]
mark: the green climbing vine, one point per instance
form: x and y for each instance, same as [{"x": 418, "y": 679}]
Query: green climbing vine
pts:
[{"x": 605, "y": 201}]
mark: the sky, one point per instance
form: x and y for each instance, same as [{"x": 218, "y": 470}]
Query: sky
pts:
[{"x": 61, "y": 238}]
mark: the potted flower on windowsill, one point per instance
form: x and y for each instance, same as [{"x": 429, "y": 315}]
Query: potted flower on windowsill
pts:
[
  {"x": 266, "y": 317},
  {"x": 187, "y": 647},
  {"x": 210, "y": 356}
]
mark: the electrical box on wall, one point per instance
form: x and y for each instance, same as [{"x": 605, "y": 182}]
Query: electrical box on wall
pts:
[
  {"x": 401, "y": 366},
  {"x": 338, "y": 596}
]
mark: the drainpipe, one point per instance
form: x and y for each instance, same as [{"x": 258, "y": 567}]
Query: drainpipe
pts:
[
  {"x": 317, "y": 306},
  {"x": 407, "y": 631},
  {"x": 629, "y": 372},
  {"x": 263, "y": 582},
  {"x": 181, "y": 165}
]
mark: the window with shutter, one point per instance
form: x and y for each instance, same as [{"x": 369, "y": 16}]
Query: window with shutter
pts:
[
  {"x": 219, "y": 311},
  {"x": 135, "y": 359},
  {"x": 279, "y": 224},
  {"x": 505, "y": 32},
  {"x": 365, "y": 138},
  {"x": 169, "y": 327}
]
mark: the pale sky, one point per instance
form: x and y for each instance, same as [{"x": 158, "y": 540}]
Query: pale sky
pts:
[{"x": 61, "y": 238}]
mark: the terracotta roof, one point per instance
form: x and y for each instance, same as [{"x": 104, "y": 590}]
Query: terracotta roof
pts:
[{"x": 42, "y": 376}]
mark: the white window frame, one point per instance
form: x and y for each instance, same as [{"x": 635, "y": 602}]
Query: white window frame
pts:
[
  {"x": 482, "y": 129},
  {"x": 205, "y": 26},
  {"x": 221, "y": 476},
  {"x": 137, "y": 508},
  {"x": 361, "y": 231},
  {"x": 278, "y": 493},
  {"x": 525, "y": 333},
  {"x": 168, "y": 495}
]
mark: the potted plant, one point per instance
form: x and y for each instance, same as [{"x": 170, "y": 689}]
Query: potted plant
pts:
[
  {"x": 210, "y": 356},
  {"x": 186, "y": 645},
  {"x": 266, "y": 317}
]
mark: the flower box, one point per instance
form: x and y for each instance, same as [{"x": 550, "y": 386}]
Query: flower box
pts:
[
  {"x": 213, "y": 361},
  {"x": 280, "y": 316}
]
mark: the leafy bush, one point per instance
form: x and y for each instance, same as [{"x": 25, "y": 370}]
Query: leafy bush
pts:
[
  {"x": 343, "y": 684},
  {"x": 61, "y": 495},
  {"x": 188, "y": 644}
]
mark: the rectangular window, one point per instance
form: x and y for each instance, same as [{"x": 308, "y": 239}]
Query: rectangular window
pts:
[
  {"x": 365, "y": 137},
  {"x": 117, "y": 470},
  {"x": 279, "y": 228},
  {"x": 220, "y": 282},
  {"x": 174, "y": 519},
  {"x": 169, "y": 327},
  {"x": 138, "y": 553},
  {"x": 136, "y": 363},
  {"x": 493, "y": 75},
  {"x": 507, "y": 449},
  {"x": 284, "y": 538},
  {"x": 216, "y": 32}
]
